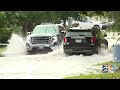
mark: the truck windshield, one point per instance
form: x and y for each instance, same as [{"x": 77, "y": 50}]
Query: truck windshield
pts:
[
  {"x": 50, "y": 29},
  {"x": 44, "y": 29}
]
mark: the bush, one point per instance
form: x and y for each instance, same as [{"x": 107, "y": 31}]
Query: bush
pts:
[{"x": 5, "y": 33}]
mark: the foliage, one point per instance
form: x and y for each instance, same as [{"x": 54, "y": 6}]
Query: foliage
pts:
[
  {"x": 115, "y": 16},
  {"x": 27, "y": 20},
  {"x": 97, "y": 76},
  {"x": 4, "y": 35}
]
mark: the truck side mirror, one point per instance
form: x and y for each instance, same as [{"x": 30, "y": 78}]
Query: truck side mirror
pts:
[
  {"x": 63, "y": 32},
  {"x": 28, "y": 33}
]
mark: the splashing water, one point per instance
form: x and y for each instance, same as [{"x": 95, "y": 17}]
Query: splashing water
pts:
[{"x": 16, "y": 46}]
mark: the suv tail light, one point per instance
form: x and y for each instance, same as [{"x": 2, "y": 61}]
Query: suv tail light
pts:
[
  {"x": 93, "y": 39},
  {"x": 65, "y": 39}
]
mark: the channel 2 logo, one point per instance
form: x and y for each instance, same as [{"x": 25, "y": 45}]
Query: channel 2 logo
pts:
[
  {"x": 105, "y": 68},
  {"x": 109, "y": 68}
]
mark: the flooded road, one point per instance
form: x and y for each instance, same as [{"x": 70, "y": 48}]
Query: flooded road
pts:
[{"x": 55, "y": 65}]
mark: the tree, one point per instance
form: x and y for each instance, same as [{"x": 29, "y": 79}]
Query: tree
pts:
[
  {"x": 10, "y": 21},
  {"x": 115, "y": 16}
]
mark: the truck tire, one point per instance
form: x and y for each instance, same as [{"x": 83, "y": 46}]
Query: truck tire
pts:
[
  {"x": 29, "y": 52},
  {"x": 88, "y": 54},
  {"x": 67, "y": 53},
  {"x": 28, "y": 49},
  {"x": 48, "y": 49}
]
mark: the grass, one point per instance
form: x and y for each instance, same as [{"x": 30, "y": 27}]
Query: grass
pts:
[
  {"x": 2, "y": 49},
  {"x": 115, "y": 75},
  {"x": 97, "y": 76}
]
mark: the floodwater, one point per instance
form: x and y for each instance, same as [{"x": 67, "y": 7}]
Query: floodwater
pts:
[{"x": 55, "y": 65}]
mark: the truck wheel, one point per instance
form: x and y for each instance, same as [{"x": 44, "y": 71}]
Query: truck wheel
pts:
[
  {"x": 29, "y": 51},
  {"x": 88, "y": 54},
  {"x": 48, "y": 49},
  {"x": 67, "y": 53},
  {"x": 28, "y": 47}
]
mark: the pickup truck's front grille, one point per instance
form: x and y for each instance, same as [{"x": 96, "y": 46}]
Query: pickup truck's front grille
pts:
[{"x": 41, "y": 40}]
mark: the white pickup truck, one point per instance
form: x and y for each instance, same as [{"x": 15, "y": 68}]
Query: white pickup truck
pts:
[
  {"x": 44, "y": 37},
  {"x": 86, "y": 23},
  {"x": 89, "y": 23}
]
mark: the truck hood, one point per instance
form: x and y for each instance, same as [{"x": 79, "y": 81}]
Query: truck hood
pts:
[{"x": 42, "y": 34}]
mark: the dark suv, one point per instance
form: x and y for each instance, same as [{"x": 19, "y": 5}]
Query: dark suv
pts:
[{"x": 81, "y": 41}]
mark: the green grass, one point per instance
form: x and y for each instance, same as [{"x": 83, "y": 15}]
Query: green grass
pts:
[
  {"x": 102, "y": 75},
  {"x": 96, "y": 76},
  {"x": 2, "y": 49}
]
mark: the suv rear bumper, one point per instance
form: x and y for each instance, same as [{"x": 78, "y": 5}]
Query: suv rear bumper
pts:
[{"x": 83, "y": 49}]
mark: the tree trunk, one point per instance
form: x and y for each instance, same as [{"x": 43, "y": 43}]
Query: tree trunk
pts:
[
  {"x": 24, "y": 29},
  {"x": 36, "y": 23},
  {"x": 29, "y": 26}
]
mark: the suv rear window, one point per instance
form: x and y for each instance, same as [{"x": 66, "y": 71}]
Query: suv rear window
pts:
[{"x": 73, "y": 33}]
